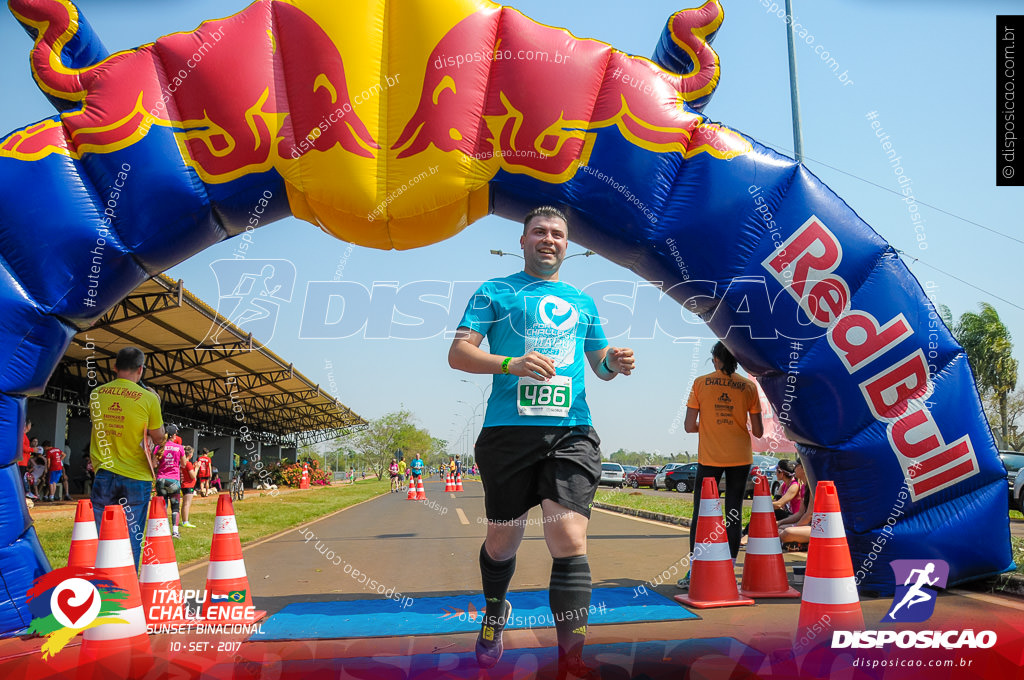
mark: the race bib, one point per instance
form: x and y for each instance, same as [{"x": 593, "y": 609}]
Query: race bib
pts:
[{"x": 551, "y": 397}]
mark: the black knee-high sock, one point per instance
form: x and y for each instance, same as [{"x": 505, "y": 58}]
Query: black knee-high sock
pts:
[
  {"x": 569, "y": 596},
  {"x": 495, "y": 577}
]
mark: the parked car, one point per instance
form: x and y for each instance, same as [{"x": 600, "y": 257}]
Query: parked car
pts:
[
  {"x": 1013, "y": 461},
  {"x": 766, "y": 465},
  {"x": 1018, "y": 491},
  {"x": 682, "y": 478},
  {"x": 627, "y": 469},
  {"x": 643, "y": 476},
  {"x": 659, "y": 479},
  {"x": 612, "y": 474}
]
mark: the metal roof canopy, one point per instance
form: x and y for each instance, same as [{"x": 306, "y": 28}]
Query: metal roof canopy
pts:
[{"x": 208, "y": 373}]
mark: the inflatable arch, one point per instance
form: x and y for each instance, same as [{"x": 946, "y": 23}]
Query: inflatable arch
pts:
[{"x": 161, "y": 151}]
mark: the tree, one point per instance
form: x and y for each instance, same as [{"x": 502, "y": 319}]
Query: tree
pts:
[
  {"x": 383, "y": 437},
  {"x": 990, "y": 352}
]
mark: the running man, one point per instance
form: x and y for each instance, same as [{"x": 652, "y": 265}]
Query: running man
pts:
[
  {"x": 916, "y": 593},
  {"x": 537, "y": 444},
  {"x": 416, "y": 467}
]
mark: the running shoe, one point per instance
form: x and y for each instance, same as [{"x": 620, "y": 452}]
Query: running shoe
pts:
[
  {"x": 175, "y": 534},
  {"x": 488, "y": 642},
  {"x": 683, "y": 583},
  {"x": 188, "y": 524}
]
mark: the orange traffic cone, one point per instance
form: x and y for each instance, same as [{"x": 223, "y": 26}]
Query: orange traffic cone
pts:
[
  {"x": 764, "y": 570},
  {"x": 304, "y": 479},
  {"x": 712, "y": 580},
  {"x": 83, "y": 537},
  {"x": 420, "y": 493},
  {"x": 159, "y": 580},
  {"x": 228, "y": 598},
  {"x": 458, "y": 482},
  {"x": 448, "y": 486},
  {"x": 411, "y": 496},
  {"x": 830, "y": 591},
  {"x": 126, "y": 629}
]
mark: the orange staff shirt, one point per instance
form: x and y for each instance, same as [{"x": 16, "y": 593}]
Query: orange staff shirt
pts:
[{"x": 723, "y": 402}]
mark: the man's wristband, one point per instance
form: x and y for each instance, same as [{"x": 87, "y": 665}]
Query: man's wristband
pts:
[
  {"x": 504, "y": 365},
  {"x": 604, "y": 362}
]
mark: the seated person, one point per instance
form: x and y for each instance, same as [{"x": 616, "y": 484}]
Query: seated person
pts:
[{"x": 796, "y": 529}]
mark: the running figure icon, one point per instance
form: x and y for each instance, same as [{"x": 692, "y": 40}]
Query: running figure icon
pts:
[{"x": 916, "y": 594}]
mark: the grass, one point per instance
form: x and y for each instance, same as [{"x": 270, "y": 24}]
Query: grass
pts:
[
  {"x": 674, "y": 504},
  {"x": 259, "y": 514}
]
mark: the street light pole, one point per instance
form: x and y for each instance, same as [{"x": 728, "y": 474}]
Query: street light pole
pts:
[{"x": 794, "y": 90}]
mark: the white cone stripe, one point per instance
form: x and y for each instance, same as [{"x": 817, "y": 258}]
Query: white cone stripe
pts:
[
  {"x": 158, "y": 527},
  {"x": 827, "y": 525},
  {"x": 136, "y": 618},
  {"x": 710, "y": 507},
  {"x": 159, "y": 573},
  {"x": 225, "y": 525},
  {"x": 762, "y": 504},
  {"x": 115, "y": 553},
  {"x": 711, "y": 552},
  {"x": 764, "y": 546},
  {"x": 84, "y": 531},
  {"x": 226, "y": 569},
  {"x": 842, "y": 590}
]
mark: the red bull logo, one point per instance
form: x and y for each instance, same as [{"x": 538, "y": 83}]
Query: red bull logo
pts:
[
  {"x": 226, "y": 127},
  {"x": 548, "y": 131}
]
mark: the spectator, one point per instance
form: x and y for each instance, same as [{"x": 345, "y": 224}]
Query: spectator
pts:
[
  {"x": 123, "y": 414},
  {"x": 205, "y": 469},
  {"x": 215, "y": 479},
  {"x": 55, "y": 466},
  {"x": 26, "y": 455},
  {"x": 796, "y": 529},
  {"x": 189, "y": 477},
  {"x": 168, "y": 476},
  {"x": 35, "y": 477}
]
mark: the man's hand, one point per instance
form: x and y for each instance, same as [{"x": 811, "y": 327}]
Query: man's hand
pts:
[
  {"x": 533, "y": 365},
  {"x": 620, "y": 360}
]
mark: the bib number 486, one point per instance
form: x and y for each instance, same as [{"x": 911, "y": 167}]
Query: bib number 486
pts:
[{"x": 544, "y": 395}]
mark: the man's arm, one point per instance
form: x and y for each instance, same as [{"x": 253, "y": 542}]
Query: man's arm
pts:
[
  {"x": 690, "y": 423},
  {"x": 610, "y": 361},
  {"x": 465, "y": 355}
]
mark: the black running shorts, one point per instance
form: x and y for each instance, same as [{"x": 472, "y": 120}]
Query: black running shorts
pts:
[{"x": 522, "y": 465}]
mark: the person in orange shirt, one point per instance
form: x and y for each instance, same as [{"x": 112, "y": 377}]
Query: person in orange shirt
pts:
[{"x": 717, "y": 411}]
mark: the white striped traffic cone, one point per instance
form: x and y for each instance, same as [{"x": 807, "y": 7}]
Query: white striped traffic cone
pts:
[
  {"x": 159, "y": 580},
  {"x": 764, "y": 569},
  {"x": 115, "y": 561},
  {"x": 712, "y": 579},
  {"x": 448, "y": 484},
  {"x": 421, "y": 495},
  {"x": 458, "y": 482},
  {"x": 830, "y": 591},
  {"x": 411, "y": 496},
  {"x": 228, "y": 598},
  {"x": 83, "y": 537}
]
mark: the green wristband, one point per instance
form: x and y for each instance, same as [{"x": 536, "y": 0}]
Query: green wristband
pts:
[{"x": 504, "y": 365}]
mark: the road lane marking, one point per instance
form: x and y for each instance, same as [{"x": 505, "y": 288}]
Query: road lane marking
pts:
[{"x": 462, "y": 516}]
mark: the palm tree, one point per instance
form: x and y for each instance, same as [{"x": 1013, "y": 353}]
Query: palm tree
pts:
[{"x": 989, "y": 349}]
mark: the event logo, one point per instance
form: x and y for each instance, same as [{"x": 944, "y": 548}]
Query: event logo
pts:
[
  {"x": 67, "y": 601},
  {"x": 250, "y": 295},
  {"x": 557, "y": 313},
  {"x": 914, "y": 600}
]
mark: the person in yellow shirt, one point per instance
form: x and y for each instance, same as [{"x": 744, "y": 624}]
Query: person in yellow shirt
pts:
[
  {"x": 124, "y": 413},
  {"x": 717, "y": 411}
]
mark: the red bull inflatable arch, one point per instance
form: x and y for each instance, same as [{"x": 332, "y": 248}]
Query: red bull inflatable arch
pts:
[{"x": 158, "y": 152}]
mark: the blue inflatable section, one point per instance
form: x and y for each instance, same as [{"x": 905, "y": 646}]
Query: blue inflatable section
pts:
[{"x": 813, "y": 302}]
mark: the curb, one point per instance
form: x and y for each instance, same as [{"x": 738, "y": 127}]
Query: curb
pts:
[{"x": 645, "y": 514}]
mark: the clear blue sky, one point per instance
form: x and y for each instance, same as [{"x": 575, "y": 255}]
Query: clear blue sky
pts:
[{"x": 927, "y": 68}]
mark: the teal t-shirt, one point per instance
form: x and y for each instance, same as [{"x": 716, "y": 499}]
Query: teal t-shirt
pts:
[{"x": 519, "y": 314}]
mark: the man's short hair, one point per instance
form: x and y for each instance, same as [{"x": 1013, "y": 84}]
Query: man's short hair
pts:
[
  {"x": 129, "y": 359},
  {"x": 544, "y": 211}
]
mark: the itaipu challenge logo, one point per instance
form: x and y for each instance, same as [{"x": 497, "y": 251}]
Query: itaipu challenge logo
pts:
[{"x": 67, "y": 601}]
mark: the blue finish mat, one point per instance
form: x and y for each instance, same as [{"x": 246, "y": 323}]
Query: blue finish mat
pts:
[{"x": 458, "y": 614}]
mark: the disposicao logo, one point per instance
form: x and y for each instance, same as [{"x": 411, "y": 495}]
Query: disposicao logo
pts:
[
  {"x": 65, "y": 602},
  {"x": 917, "y": 585}
]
